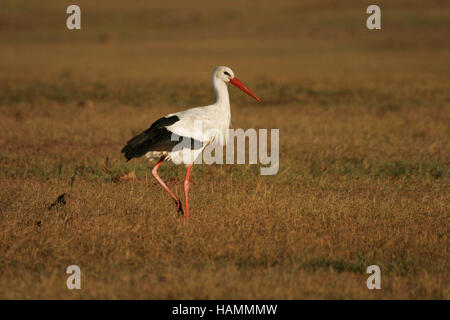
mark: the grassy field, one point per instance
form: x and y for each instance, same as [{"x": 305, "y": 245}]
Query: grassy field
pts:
[{"x": 364, "y": 150}]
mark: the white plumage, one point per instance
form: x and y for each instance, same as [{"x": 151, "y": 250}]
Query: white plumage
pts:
[{"x": 201, "y": 125}]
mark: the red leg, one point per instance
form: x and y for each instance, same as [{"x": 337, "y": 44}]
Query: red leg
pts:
[
  {"x": 186, "y": 191},
  {"x": 155, "y": 174}
]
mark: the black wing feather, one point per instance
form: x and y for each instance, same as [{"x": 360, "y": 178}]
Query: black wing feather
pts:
[{"x": 155, "y": 138}]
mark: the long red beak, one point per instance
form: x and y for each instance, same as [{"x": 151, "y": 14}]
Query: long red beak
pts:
[{"x": 239, "y": 84}]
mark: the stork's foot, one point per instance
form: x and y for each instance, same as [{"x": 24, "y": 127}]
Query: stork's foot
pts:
[{"x": 179, "y": 207}]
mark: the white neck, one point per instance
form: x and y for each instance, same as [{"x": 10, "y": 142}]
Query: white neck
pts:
[
  {"x": 221, "y": 90},
  {"x": 222, "y": 110}
]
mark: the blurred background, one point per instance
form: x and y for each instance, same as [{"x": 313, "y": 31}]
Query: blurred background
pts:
[{"x": 262, "y": 40}]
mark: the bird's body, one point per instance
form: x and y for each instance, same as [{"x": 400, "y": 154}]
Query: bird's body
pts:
[{"x": 195, "y": 128}]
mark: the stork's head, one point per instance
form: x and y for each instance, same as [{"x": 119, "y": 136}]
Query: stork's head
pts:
[{"x": 227, "y": 75}]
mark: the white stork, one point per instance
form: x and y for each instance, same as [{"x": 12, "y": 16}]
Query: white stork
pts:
[{"x": 158, "y": 142}]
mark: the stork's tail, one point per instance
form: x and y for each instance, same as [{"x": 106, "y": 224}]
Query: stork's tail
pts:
[{"x": 135, "y": 147}]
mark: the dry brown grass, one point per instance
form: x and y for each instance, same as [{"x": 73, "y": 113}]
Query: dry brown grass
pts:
[{"x": 364, "y": 175}]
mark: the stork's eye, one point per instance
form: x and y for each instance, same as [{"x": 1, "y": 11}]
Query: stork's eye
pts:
[{"x": 226, "y": 73}]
